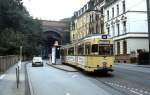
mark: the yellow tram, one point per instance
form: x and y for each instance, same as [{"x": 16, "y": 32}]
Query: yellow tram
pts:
[{"x": 92, "y": 54}]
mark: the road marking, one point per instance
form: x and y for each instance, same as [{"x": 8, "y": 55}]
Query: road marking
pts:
[
  {"x": 145, "y": 92},
  {"x": 74, "y": 76},
  {"x": 2, "y": 76},
  {"x": 128, "y": 88},
  {"x": 68, "y": 93},
  {"x": 141, "y": 91},
  {"x": 124, "y": 87},
  {"x": 136, "y": 89},
  {"x": 135, "y": 92}
]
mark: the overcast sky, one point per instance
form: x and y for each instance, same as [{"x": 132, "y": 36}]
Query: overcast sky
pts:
[{"x": 53, "y": 9}]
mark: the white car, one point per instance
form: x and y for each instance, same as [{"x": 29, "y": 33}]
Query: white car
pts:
[{"x": 37, "y": 61}]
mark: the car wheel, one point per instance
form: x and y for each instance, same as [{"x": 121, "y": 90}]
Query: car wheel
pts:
[
  {"x": 42, "y": 65},
  {"x": 32, "y": 65}
]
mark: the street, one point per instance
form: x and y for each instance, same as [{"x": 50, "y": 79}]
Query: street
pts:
[
  {"x": 127, "y": 82},
  {"x": 50, "y": 81},
  {"x": 123, "y": 81},
  {"x": 74, "y": 47}
]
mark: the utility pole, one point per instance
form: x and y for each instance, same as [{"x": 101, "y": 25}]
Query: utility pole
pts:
[
  {"x": 148, "y": 19},
  {"x": 20, "y": 53}
]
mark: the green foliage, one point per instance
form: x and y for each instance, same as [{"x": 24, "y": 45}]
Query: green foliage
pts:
[{"x": 18, "y": 28}]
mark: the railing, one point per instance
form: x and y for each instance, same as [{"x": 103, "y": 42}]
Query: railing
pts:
[{"x": 7, "y": 61}]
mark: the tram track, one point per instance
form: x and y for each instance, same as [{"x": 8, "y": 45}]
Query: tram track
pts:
[
  {"x": 120, "y": 91},
  {"x": 123, "y": 85}
]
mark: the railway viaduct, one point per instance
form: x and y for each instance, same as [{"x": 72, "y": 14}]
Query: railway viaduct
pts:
[{"x": 54, "y": 31}]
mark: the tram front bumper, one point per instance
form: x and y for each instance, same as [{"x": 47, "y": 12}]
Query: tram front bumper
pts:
[{"x": 104, "y": 70}]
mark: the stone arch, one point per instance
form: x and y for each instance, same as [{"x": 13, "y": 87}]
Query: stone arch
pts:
[
  {"x": 54, "y": 31},
  {"x": 50, "y": 37}
]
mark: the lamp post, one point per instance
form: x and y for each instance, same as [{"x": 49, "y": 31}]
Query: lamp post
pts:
[
  {"x": 20, "y": 53},
  {"x": 148, "y": 19}
]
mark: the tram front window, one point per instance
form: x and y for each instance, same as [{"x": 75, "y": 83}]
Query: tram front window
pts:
[{"x": 105, "y": 49}]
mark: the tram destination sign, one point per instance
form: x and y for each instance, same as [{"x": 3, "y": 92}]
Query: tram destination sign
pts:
[{"x": 104, "y": 42}]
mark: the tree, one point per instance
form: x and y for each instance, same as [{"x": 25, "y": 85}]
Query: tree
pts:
[{"x": 18, "y": 28}]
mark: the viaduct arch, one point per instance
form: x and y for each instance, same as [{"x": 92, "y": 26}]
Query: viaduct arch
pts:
[{"x": 53, "y": 31}]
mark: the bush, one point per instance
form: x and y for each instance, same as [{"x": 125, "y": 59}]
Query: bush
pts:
[
  {"x": 143, "y": 58},
  {"x": 133, "y": 59}
]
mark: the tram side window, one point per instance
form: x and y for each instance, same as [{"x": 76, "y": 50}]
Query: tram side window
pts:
[
  {"x": 95, "y": 48},
  {"x": 87, "y": 49},
  {"x": 62, "y": 52},
  {"x": 80, "y": 50},
  {"x": 65, "y": 51},
  {"x": 71, "y": 51}
]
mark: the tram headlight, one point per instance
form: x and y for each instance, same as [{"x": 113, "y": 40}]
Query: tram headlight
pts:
[{"x": 104, "y": 64}]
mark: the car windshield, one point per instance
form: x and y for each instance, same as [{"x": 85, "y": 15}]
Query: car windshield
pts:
[{"x": 37, "y": 58}]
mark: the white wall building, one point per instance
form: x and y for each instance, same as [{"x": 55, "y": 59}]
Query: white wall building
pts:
[{"x": 126, "y": 20}]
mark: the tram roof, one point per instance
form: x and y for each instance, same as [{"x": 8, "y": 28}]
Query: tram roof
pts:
[
  {"x": 96, "y": 36},
  {"x": 89, "y": 37}
]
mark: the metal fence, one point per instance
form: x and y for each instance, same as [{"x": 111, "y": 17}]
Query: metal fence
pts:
[{"x": 7, "y": 61}]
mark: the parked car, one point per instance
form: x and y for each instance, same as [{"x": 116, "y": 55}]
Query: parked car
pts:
[{"x": 37, "y": 61}]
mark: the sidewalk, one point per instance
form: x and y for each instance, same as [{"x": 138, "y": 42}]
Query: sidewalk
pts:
[
  {"x": 8, "y": 82},
  {"x": 62, "y": 67}
]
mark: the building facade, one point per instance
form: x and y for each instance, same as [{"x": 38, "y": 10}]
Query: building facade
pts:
[
  {"x": 127, "y": 23},
  {"x": 88, "y": 20}
]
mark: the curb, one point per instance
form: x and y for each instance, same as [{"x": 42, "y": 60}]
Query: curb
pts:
[
  {"x": 31, "y": 91},
  {"x": 144, "y": 66},
  {"x": 61, "y": 68},
  {"x": 30, "y": 87}
]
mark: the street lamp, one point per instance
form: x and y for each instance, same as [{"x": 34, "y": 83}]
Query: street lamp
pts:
[
  {"x": 148, "y": 19},
  {"x": 20, "y": 53}
]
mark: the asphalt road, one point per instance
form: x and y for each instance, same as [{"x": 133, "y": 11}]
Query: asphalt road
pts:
[
  {"x": 125, "y": 80},
  {"x": 51, "y": 81}
]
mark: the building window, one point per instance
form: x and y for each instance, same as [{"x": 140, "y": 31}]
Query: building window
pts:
[
  {"x": 118, "y": 29},
  {"x": 117, "y": 9},
  {"x": 90, "y": 18},
  {"x": 123, "y": 6},
  {"x": 113, "y": 30},
  {"x": 112, "y": 12},
  {"x": 108, "y": 30},
  {"x": 124, "y": 47},
  {"x": 118, "y": 48},
  {"x": 124, "y": 27},
  {"x": 97, "y": 30},
  {"x": 97, "y": 17},
  {"x": 107, "y": 15},
  {"x": 102, "y": 28},
  {"x": 102, "y": 12},
  {"x": 73, "y": 36}
]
